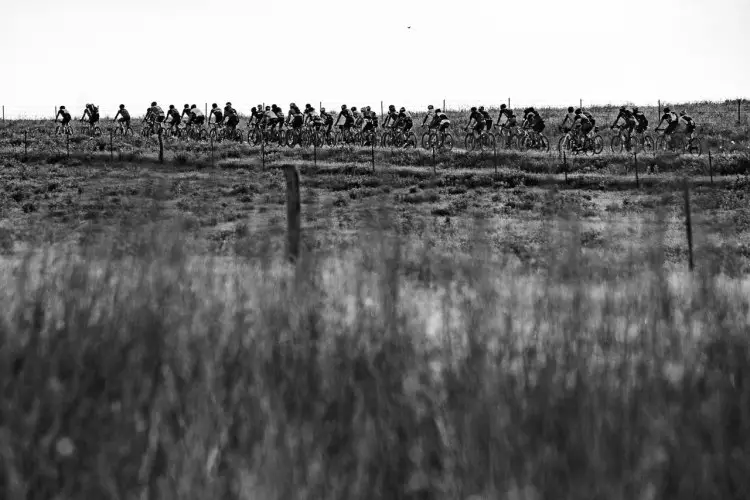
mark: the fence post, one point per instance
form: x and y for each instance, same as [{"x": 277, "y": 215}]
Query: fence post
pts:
[
  {"x": 443, "y": 105},
  {"x": 67, "y": 145},
  {"x": 3, "y": 114},
  {"x": 494, "y": 157},
  {"x": 635, "y": 162},
  {"x": 381, "y": 110},
  {"x": 161, "y": 146},
  {"x": 434, "y": 165},
  {"x": 739, "y": 108},
  {"x": 212, "y": 150},
  {"x": 263, "y": 150},
  {"x": 372, "y": 149},
  {"x": 688, "y": 224},
  {"x": 710, "y": 166},
  {"x": 658, "y": 111},
  {"x": 580, "y": 103},
  {"x": 508, "y": 102},
  {"x": 565, "y": 165},
  {"x": 111, "y": 146},
  {"x": 292, "y": 211},
  {"x": 315, "y": 149},
  {"x": 25, "y": 145}
]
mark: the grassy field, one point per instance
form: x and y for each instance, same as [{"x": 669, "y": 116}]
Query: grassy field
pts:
[{"x": 450, "y": 330}]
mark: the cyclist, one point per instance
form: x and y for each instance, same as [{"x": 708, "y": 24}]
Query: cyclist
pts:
[
  {"x": 533, "y": 120},
  {"x": 628, "y": 119},
  {"x": 689, "y": 124},
  {"x": 92, "y": 112},
  {"x": 217, "y": 115},
  {"x": 440, "y": 121},
  {"x": 155, "y": 114},
  {"x": 231, "y": 116},
  {"x": 581, "y": 125},
  {"x": 295, "y": 117},
  {"x": 487, "y": 118},
  {"x": 348, "y": 118},
  {"x": 256, "y": 116},
  {"x": 368, "y": 125},
  {"x": 404, "y": 121},
  {"x": 478, "y": 120},
  {"x": 269, "y": 118},
  {"x": 327, "y": 119},
  {"x": 185, "y": 111},
  {"x": 391, "y": 117},
  {"x": 175, "y": 117},
  {"x": 641, "y": 121},
  {"x": 279, "y": 116},
  {"x": 125, "y": 120},
  {"x": 504, "y": 111},
  {"x": 357, "y": 117},
  {"x": 373, "y": 117},
  {"x": 313, "y": 118},
  {"x": 430, "y": 116},
  {"x": 672, "y": 121},
  {"x": 196, "y": 116},
  {"x": 567, "y": 123},
  {"x": 65, "y": 114}
]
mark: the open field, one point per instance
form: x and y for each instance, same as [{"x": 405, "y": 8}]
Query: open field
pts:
[{"x": 476, "y": 324}]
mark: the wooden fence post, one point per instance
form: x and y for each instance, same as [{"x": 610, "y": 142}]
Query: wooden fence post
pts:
[
  {"x": 372, "y": 149},
  {"x": 25, "y": 145},
  {"x": 565, "y": 165},
  {"x": 292, "y": 211},
  {"x": 3, "y": 114},
  {"x": 111, "y": 146},
  {"x": 635, "y": 163},
  {"x": 161, "y": 146},
  {"x": 739, "y": 108},
  {"x": 688, "y": 224},
  {"x": 263, "y": 150},
  {"x": 67, "y": 145},
  {"x": 212, "y": 151},
  {"x": 710, "y": 166}
]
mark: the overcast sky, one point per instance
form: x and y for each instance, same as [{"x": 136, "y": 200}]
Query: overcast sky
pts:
[{"x": 542, "y": 52}]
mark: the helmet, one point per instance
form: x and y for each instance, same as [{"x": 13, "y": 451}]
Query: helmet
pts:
[
  {"x": 153, "y": 104},
  {"x": 578, "y": 111},
  {"x": 622, "y": 108},
  {"x": 62, "y": 107},
  {"x": 438, "y": 111},
  {"x": 229, "y": 103},
  {"x": 635, "y": 109},
  {"x": 430, "y": 106},
  {"x": 343, "y": 106},
  {"x": 481, "y": 108},
  {"x": 322, "y": 110},
  {"x": 187, "y": 106},
  {"x": 268, "y": 108},
  {"x": 391, "y": 106},
  {"x": 171, "y": 106},
  {"x": 503, "y": 106},
  {"x": 193, "y": 106},
  {"x": 570, "y": 109},
  {"x": 308, "y": 105},
  {"x": 473, "y": 109},
  {"x": 274, "y": 106},
  {"x": 666, "y": 110},
  {"x": 122, "y": 106},
  {"x": 354, "y": 108},
  {"x": 213, "y": 105},
  {"x": 682, "y": 113},
  {"x": 253, "y": 109},
  {"x": 402, "y": 109},
  {"x": 292, "y": 105}
]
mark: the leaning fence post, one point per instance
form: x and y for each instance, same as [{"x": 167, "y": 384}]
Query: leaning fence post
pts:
[
  {"x": 25, "y": 144},
  {"x": 688, "y": 224},
  {"x": 710, "y": 166},
  {"x": 292, "y": 211},
  {"x": 111, "y": 146},
  {"x": 565, "y": 165},
  {"x": 372, "y": 150},
  {"x": 739, "y": 107},
  {"x": 212, "y": 151},
  {"x": 635, "y": 163},
  {"x": 67, "y": 145},
  {"x": 161, "y": 146},
  {"x": 263, "y": 151}
]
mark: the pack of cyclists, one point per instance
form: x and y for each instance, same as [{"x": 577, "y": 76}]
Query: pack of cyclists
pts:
[{"x": 580, "y": 123}]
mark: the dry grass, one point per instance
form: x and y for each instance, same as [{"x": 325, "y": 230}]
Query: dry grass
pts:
[{"x": 388, "y": 369}]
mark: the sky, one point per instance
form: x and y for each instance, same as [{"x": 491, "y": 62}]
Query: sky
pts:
[{"x": 404, "y": 52}]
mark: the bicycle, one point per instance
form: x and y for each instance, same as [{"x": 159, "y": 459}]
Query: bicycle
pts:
[
  {"x": 506, "y": 135},
  {"x": 675, "y": 144},
  {"x": 621, "y": 140},
  {"x": 122, "y": 129},
  {"x": 529, "y": 139},
  {"x": 91, "y": 129},
  {"x": 398, "y": 138},
  {"x": 642, "y": 142},
  {"x": 220, "y": 132},
  {"x": 486, "y": 140},
  {"x": 195, "y": 132},
  {"x": 63, "y": 129},
  {"x": 438, "y": 139},
  {"x": 150, "y": 128}
]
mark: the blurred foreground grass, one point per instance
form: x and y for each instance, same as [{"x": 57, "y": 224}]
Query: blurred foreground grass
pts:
[{"x": 386, "y": 370}]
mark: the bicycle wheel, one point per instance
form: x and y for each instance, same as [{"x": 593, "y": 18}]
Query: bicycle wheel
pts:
[
  {"x": 97, "y": 132},
  {"x": 426, "y": 142},
  {"x": 387, "y": 140},
  {"x": 489, "y": 142},
  {"x": 648, "y": 144},
  {"x": 616, "y": 144},
  {"x": 470, "y": 142},
  {"x": 411, "y": 140},
  {"x": 214, "y": 134},
  {"x": 678, "y": 145},
  {"x": 598, "y": 144},
  {"x": 694, "y": 147},
  {"x": 588, "y": 146},
  {"x": 503, "y": 138},
  {"x": 447, "y": 142},
  {"x": 291, "y": 140}
]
